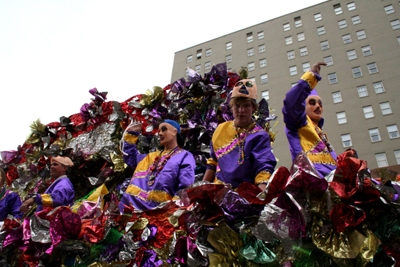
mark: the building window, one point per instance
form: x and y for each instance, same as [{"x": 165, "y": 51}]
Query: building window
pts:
[
  {"x": 372, "y": 68},
  {"x": 290, "y": 55},
  {"x": 250, "y": 52},
  {"x": 301, "y": 37},
  {"x": 398, "y": 40},
  {"x": 228, "y": 59},
  {"x": 361, "y": 35},
  {"x": 356, "y": 20},
  {"x": 261, "y": 48},
  {"x": 186, "y": 71},
  {"x": 337, "y": 97},
  {"x": 351, "y": 6},
  {"x": 303, "y": 51},
  {"x": 288, "y": 40},
  {"x": 264, "y": 79},
  {"x": 351, "y": 54},
  {"x": 362, "y": 91},
  {"x": 395, "y": 24},
  {"x": 389, "y": 9},
  {"x": 332, "y": 78},
  {"x": 338, "y": 9},
  {"x": 346, "y": 140},
  {"x": 197, "y": 68},
  {"x": 381, "y": 160},
  {"x": 253, "y": 79},
  {"x": 286, "y": 26},
  {"x": 189, "y": 59},
  {"x": 297, "y": 22},
  {"x": 317, "y": 17},
  {"x": 263, "y": 63},
  {"x": 228, "y": 45},
  {"x": 346, "y": 38},
  {"x": 208, "y": 52},
  {"x": 306, "y": 66},
  {"x": 265, "y": 95},
  {"x": 294, "y": 84},
  {"x": 199, "y": 53},
  {"x": 321, "y": 30},
  {"x": 342, "y": 24},
  {"x": 260, "y": 35},
  {"x": 249, "y": 37},
  {"x": 393, "y": 131},
  {"x": 378, "y": 86},
  {"x": 356, "y": 72},
  {"x": 251, "y": 66},
  {"x": 385, "y": 108},
  {"x": 397, "y": 156},
  {"x": 341, "y": 117},
  {"x": 328, "y": 60},
  {"x": 207, "y": 65},
  {"x": 374, "y": 134},
  {"x": 368, "y": 112},
  {"x": 324, "y": 45},
  {"x": 293, "y": 70},
  {"x": 366, "y": 50}
]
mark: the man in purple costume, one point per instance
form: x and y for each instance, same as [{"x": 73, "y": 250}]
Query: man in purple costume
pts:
[
  {"x": 302, "y": 112},
  {"x": 241, "y": 149},
  {"x": 60, "y": 193},
  {"x": 10, "y": 202},
  {"x": 159, "y": 175}
]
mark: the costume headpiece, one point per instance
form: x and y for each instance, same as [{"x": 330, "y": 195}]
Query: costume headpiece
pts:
[
  {"x": 179, "y": 137},
  {"x": 63, "y": 160},
  {"x": 245, "y": 88}
]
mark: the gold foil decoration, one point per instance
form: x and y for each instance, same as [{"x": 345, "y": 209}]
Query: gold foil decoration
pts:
[
  {"x": 139, "y": 224},
  {"x": 37, "y": 129},
  {"x": 370, "y": 245},
  {"x": 151, "y": 96},
  {"x": 60, "y": 143},
  {"x": 227, "y": 244},
  {"x": 174, "y": 218},
  {"x": 118, "y": 161}
]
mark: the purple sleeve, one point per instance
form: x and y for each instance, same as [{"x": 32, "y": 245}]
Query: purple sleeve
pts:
[
  {"x": 294, "y": 105},
  {"x": 262, "y": 155},
  {"x": 186, "y": 171},
  {"x": 61, "y": 195},
  {"x": 133, "y": 157},
  {"x": 14, "y": 205}
]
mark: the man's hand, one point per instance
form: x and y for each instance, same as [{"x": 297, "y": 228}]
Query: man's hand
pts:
[
  {"x": 26, "y": 205},
  {"x": 317, "y": 67}
]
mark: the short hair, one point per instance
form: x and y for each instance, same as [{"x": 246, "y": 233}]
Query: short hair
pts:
[{"x": 242, "y": 99}]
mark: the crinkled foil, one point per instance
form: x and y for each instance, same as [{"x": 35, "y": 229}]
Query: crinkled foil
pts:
[
  {"x": 40, "y": 230},
  {"x": 93, "y": 141}
]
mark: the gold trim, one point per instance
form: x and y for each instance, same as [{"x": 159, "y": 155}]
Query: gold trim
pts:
[
  {"x": 47, "y": 201},
  {"x": 310, "y": 78},
  {"x": 153, "y": 195},
  {"x": 131, "y": 139},
  {"x": 262, "y": 177}
]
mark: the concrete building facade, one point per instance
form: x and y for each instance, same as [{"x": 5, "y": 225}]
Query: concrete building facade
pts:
[{"x": 360, "y": 42}]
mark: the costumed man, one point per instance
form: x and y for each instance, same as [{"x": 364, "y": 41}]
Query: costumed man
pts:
[
  {"x": 10, "y": 202},
  {"x": 302, "y": 112},
  {"x": 60, "y": 193},
  {"x": 241, "y": 149},
  {"x": 159, "y": 175}
]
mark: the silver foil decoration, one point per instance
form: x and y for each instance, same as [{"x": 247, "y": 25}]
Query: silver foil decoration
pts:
[
  {"x": 93, "y": 141},
  {"x": 40, "y": 230},
  {"x": 135, "y": 102}
]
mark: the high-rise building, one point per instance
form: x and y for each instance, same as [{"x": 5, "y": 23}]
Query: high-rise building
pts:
[{"x": 360, "y": 42}]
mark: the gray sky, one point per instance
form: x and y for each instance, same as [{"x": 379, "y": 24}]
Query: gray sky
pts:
[{"x": 53, "y": 52}]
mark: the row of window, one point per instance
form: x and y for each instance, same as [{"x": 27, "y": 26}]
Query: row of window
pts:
[
  {"x": 368, "y": 112},
  {"x": 332, "y": 77},
  {"x": 318, "y": 17},
  {"x": 381, "y": 159},
  {"x": 362, "y": 92},
  {"x": 393, "y": 132}
]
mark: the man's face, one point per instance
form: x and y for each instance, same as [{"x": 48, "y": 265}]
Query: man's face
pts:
[
  {"x": 57, "y": 169},
  {"x": 166, "y": 133},
  {"x": 314, "y": 108},
  {"x": 242, "y": 112}
]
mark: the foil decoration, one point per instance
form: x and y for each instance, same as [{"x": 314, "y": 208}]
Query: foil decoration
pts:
[
  {"x": 93, "y": 141},
  {"x": 40, "y": 229}
]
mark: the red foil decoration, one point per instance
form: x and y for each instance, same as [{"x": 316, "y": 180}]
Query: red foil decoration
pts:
[
  {"x": 64, "y": 225},
  {"x": 343, "y": 216}
]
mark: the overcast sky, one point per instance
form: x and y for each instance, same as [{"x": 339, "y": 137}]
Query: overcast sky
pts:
[{"x": 53, "y": 52}]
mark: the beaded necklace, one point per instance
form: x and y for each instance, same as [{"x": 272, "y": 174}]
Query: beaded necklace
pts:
[
  {"x": 158, "y": 164},
  {"x": 323, "y": 137},
  {"x": 240, "y": 135}
]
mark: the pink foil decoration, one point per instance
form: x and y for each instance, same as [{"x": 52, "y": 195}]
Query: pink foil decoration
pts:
[{"x": 64, "y": 225}]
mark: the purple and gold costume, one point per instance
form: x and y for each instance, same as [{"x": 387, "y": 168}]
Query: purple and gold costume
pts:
[
  {"x": 59, "y": 193},
  {"x": 177, "y": 173},
  {"x": 258, "y": 164},
  {"x": 300, "y": 130},
  {"x": 10, "y": 202}
]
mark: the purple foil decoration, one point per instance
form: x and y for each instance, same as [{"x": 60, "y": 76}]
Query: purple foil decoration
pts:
[
  {"x": 150, "y": 259},
  {"x": 97, "y": 95},
  {"x": 13, "y": 235},
  {"x": 26, "y": 229},
  {"x": 64, "y": 225}
]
